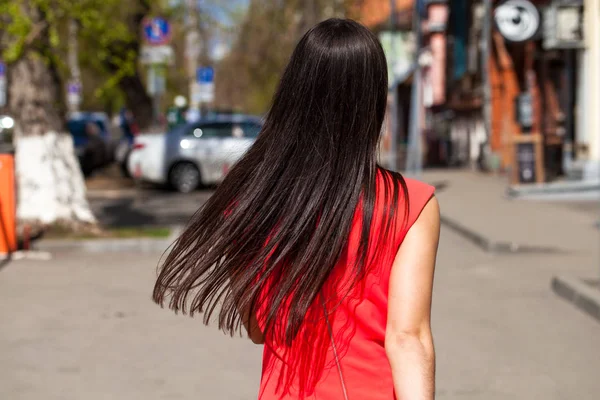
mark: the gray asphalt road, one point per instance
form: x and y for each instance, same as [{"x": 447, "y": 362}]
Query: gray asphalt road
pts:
[
  {"x": 148, "y": 206},
  {"x": 83, "y": 327},
  {"x": 155, "y": 206}
]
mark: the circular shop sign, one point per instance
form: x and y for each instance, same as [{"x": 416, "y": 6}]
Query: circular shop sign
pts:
[{"x": 517, "y": 20}]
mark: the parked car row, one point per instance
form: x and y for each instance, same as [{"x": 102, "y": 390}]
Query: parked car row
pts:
[
  {"x": 193, "y": 154},
  {"x": 92, "y": 139},
  {"x": 186, "y": 157}
]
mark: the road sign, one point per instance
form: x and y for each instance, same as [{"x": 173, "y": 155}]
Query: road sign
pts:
[
  {"x": 2, "y": 84},
  {"x": 205, "y": 75},
  {"x": 2, "y": 92},
  {"x": 205, "y": 79},
  {"x": 157, "y": 31},
  {"x": 150, "y": 55},
  {"x": 74, "y": 93}
]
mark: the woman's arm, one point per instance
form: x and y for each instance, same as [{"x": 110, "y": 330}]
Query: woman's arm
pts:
[{"x": 409, "y": 342}]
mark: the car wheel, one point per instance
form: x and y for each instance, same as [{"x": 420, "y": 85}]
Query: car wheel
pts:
[{"x": 184, "y": 177}]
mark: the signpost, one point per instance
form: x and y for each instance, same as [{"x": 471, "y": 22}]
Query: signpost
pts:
[
  {"x": 205, "y": 77},
  {"x": 529, "y": 159},
  {"x": 162, "y": 54},
  {"x": 2, "y": 84},
  {"x": 203, "y": 91},
  {"x": 563, "y": 25},
  {"x": 74, "y": 94},
  {"x": 157, "y": 31},
  {"x": 156, "y": 54}
]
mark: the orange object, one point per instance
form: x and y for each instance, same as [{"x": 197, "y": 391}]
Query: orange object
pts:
[{"x": 8, "y": 230}]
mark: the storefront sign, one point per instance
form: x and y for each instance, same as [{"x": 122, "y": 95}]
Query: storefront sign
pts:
[
  {"x": 563, "y": 26},
  {"x": 526, "y": 162},
  {"x": 517, "y": 20},
  {"x": 524, "y": 104}
]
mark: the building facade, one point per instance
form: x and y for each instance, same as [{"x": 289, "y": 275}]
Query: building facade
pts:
[{"x": 536, "y": 78}]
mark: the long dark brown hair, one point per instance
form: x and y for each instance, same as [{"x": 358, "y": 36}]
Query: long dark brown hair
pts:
[{"x": 281, "y": 219}]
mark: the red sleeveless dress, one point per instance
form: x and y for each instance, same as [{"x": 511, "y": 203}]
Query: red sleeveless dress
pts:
[{"x": 307, "y": 369}]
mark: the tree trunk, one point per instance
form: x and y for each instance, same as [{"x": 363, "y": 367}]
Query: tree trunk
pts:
[
  {"x": 137, "y": 99},
  {"x": 136, "y": 96},
  {"x": 49, "y": 181}
]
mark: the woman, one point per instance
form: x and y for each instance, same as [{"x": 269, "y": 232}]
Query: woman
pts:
[{"x": 321, "y": 254}]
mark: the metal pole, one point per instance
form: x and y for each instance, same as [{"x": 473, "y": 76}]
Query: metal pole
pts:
[
  {"x": 73, "y": 62},
  {"x": 486, "y": 37},
  {"x": 393, "y": 160},
  {"x": 157, "y": 93},
  {"x": 192, "y": 50},
  {"x": 413, "y": 154}
]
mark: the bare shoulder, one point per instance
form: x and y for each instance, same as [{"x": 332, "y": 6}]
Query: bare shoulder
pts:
[{"x": 430, "y": 216}]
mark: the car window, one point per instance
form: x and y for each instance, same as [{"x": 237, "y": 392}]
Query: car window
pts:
[
  {"x": 213, "y": 130},
  {"x": 246, "y": 130}
]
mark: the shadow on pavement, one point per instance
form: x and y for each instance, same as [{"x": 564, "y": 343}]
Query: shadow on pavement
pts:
[
  {"x": 148, "y": 208},
  {"x": 4, "y": 262}
]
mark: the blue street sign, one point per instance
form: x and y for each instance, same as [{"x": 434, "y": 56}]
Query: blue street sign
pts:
[
  {"x": 205, "y": 75},
  {"x": 157, "y": 31},
  {"x": 2, "y": 69},
  {"x": 73, "y": 88}
]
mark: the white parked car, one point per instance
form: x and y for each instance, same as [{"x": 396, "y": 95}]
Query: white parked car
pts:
[{"x": 193, "y": 154}]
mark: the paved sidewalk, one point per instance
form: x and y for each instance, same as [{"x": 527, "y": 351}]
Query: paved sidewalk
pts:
[
  {"x": 476, "y": 205},
  {"x": 83, "y": 327}
]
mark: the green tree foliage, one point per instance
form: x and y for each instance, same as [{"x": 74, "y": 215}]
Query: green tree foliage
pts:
[
  {"x": 247, "y": 78},
  {"x": 109, "y": 43}
]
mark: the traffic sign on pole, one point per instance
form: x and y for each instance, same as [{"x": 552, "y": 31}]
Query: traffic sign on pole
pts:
[
  {"x": 205, "y": 75},
  {"x": 157, "y": 31},
  {"x": 74, "y": 94},
  {"x": 205, "y": 79},
  {"x": 151, "y": 55},
  {"x": 2, "y": 84}
]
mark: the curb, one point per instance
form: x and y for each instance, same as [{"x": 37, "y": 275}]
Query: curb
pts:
[
  {"x": 583, "y": 296},
  {"x": 518, "y": 191},
  {"x": 111, "y": 194},
  {"x": 484, "y": 243},
  {"x": 492, "y": 246},
  {"x": 137, "y": 245}
]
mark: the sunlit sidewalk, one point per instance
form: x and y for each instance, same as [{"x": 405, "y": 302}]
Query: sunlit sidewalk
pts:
[{"x": 476, "y": 205}]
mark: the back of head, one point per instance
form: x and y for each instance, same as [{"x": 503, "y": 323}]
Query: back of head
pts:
[
  {"x": 280, "y": 221},
  {"x": 332, "y": 96}
]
